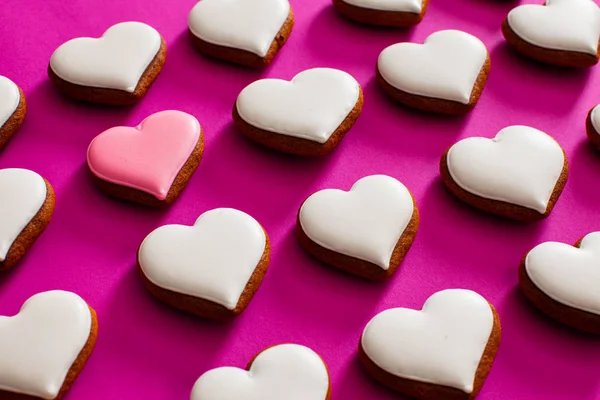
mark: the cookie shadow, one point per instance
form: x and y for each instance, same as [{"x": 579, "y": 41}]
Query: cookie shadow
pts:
[
  {"x": 139, "y": 330},
  {"x": 267, "y": 184},
  {"x": 460, "y": 240},
  {"x": 319, "y": 295},
  {"x": 386, "y": 124},
  {"x": 107, "y": 221},
  {"x": 342, "y": 42},
  {"x": 556, "y": 89},
  {"x": 561, "y": 357},
  {"x": 584, "y": 168},
  {"x": 353, "y": 382},
  {"x": 188, "y": 76}
]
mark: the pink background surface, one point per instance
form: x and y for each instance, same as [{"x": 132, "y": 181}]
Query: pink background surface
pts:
[{"x": 146, "y": 350}]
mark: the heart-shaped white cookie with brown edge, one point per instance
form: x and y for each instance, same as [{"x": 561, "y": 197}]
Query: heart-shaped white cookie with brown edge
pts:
[
  {"x": 286, "y": 371},
  {"x": 444, "y": 351},
  {"x": 308, "y": 115},
  {"x": 211, "y": 269},
  {"x": 559, "y": 32},
  {"x": 446, "y": 74},
  {"x": 519, "y": 174},
  {"x": 366, "y": 231},
  {"x": 592, "y": 125},
  {"x": 45, "y": 347},
  {"x": 117, "y": 68},
  {"x": 13, "y": 108},
  {"x": 247, "y": 32},
  {"x": 26, "y": 207},
  {"x": 563, "y": 280}
]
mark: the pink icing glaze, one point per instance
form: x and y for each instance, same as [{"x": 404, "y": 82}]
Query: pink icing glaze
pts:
[{"x": 147, "y": 157}]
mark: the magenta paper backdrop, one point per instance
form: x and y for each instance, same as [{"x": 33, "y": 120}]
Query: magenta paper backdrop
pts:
[{"x": 148, "y": 351}]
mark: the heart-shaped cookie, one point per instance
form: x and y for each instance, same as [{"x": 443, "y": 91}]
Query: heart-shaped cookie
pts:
[
  {"x": 247, "y": 32},
  {"x": 559, "y": 32},
  {"x": 366, "y": 231},
  {"x": 26, "y": 207},
  {"x": 563, "y": 280},
  {"x": 45, "y": 346},
  {"x": 286, "y": 371},
  {"x": 399, "y": 13},
  {"x": 444, "y": 351},
  {"x": 150, "y": 163},
  {"x": 116, "y": 69},
  {"x": 308, "y": 115},
  {"x": 12, "y": 109},
  {"x": 519, "y": 174},
  {"x": 446, "y": 74},
  {"x": 593, "y": 126},
  {"x": 211, "y": 269}
]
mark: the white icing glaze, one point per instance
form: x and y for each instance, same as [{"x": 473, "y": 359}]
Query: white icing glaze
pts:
[
  {"x": 409, "y": 6},
  {"x": 567, "y": 274},
  {"x": 213, "y": 259},
  {"x": 287, "y": 371},
  {"x": 310, "y": 106},
  {"x": 250, "y": 25},
  {"x": 442, "y": 344},
  {"x": 364, "y": 223},
  {"x": 22, "y": 194},
  {"x": 521, "y": 165},
  {"x": 117, "y": 60},
  {"x": 569, "y": 25},
  {"x": 9, "y": 99},
  {"x": 595, "y": 118},
  {"x": 40, "y": 344},
  {"x": 446, "y": 66}
]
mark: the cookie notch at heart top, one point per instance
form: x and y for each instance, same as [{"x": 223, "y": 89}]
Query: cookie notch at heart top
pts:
[
  {"x": 365, "y": 232},
  {"x": 440, "y": 352},
  {"x": 530, "y": 170},
  {"x": 151, "y": 163},
  {"x": 445, "y": 75},
  {"x": 13, "y": 108},
  {"x": 560, "y": 32},
  {"x": 394, "y": 13},
  {"x": 115, "y": 69},
  {"x": 285, "y": 371},
  {"x": 59, "y": 320},
  {"x": 307, "y": 116},
  {"x": 246, "y": 32},
  {"x": 562, "y": 281},
  {"x": 211, "y": 269},
  {"x": 26, "y": 209}
]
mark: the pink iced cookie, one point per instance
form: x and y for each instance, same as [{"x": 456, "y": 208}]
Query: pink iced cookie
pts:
[{"x": 150, "y": 163}]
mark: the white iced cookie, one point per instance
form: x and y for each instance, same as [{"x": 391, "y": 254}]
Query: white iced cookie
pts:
[
  {"x": 121, "y": 65},
  {"x": 283, "y": 372},
  {"x": 23, "y": 193},
  {"x": 366, "y": 231},
  {"x": 447, "y": 346},
  {"x": 593, "y": 126},
  {"x": 561, "y": 32},
  {"x": 399, "y": 13},
  {"x": 308, "y": 115},
  {"x": 446, "y": 74},
  {"x": 54, "y": 333},
  {"x": 212, "y": 268},
  {"x": 9, "y": 100},
  {"x": 12, "y": 109},
  {"x": 563, "y": 280},
  {"x": 248, "y": 32},
  {"x": 519, "y": 174}
]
